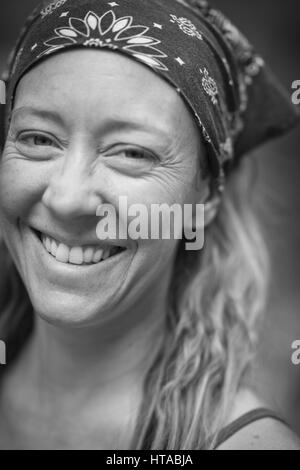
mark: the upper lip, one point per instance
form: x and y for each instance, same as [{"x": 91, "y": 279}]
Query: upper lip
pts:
[{"x": 71, "y": 241}]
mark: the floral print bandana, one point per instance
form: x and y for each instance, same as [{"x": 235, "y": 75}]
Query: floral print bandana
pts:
[{"x": 233, "y": 97}]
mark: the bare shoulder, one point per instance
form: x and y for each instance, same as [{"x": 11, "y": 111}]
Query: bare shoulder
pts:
[{"x": 263, "y": 434}]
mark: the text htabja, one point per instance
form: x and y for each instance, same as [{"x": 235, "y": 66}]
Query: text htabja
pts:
[{"x": 160, "y": 459}]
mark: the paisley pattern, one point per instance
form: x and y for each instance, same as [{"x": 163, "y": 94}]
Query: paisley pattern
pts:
[
  {"x": 209, "y": 85},
  {"x": 186, "y": 26},
  {"x": 49, "y": 9}
]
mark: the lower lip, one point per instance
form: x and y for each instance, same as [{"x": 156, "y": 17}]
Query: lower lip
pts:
[{"x": 69, "y": 271}]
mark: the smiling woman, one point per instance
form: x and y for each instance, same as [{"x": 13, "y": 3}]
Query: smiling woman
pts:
[{"x": 133, "y": 343}]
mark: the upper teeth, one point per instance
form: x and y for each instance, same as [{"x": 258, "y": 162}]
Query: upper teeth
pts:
[{"x": 76, "y": 254}]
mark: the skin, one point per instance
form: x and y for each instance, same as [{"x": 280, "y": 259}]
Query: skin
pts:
[
  {"x": 97, "y": 328},
  {"x": 96, "y": 333},
  {"x": 264, "y": 434}
]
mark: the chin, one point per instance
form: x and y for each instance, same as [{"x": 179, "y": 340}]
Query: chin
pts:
[{"x": 69, "y": 311}]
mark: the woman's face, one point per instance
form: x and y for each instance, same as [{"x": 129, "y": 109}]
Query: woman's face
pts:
[{"x": 87, "y": 128}]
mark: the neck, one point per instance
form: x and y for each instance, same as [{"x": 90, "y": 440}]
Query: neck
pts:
[
  {"x": 86, "y": 378},
  {"x": 95, "y": 358}
]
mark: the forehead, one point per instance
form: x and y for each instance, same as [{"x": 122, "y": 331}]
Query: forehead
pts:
[{"x": 96, "y": 84}]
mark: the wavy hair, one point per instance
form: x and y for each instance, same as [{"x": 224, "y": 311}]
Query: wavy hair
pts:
[
  {"x": 16, "y": 311},
  {"x": 217, "y": 298}
]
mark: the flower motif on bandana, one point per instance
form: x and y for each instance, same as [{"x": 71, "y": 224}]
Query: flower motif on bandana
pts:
[
  {"x": 186, "y": 26},
  {"x": 110, "y": 32},
  {"x": 209, "y": 85}
]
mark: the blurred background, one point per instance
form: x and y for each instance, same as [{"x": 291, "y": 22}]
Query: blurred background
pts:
[{"x": 274, "y": 29}]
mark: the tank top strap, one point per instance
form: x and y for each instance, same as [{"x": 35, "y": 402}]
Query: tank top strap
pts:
[{"x": 246, "y": 419}]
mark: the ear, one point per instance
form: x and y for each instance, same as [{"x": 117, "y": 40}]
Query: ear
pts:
[{"x": 210, "y": 201}]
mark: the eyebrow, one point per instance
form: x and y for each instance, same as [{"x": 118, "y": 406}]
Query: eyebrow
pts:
[
  {"x": 112, "y": 124},
  {"x": 40, "y": 113}
]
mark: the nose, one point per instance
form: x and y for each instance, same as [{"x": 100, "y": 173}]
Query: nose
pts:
[{"x": 71, "y": 191}]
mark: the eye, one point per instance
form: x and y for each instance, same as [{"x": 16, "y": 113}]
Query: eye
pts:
[
  {"x": 37, "y": 145},
  {"x": 138, "y": 154},
  {"x": 36, "y": 140},
  {"x": 131, "y": 160}
]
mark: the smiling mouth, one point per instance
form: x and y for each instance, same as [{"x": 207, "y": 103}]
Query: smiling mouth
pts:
[{"x": 77, "y": 255}]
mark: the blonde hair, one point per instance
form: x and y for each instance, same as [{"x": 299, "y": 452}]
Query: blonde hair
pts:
[
  {"x": 16, "y": 311},
  {"x": 216, "y": 302},
  {"x": 217, "y": 296}
]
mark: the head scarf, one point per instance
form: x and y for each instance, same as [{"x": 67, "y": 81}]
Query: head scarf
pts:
[{"x": 234, "y": 98}]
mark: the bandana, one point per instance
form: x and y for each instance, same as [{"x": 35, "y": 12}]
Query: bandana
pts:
[{"x": 236, "y": 101}]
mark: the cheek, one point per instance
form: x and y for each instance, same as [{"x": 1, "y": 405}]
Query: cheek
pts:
[
  {"x": 20, "y": 186},
  {"x": 161, "y": 187},
  {"x": 144, "y": 196}
]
